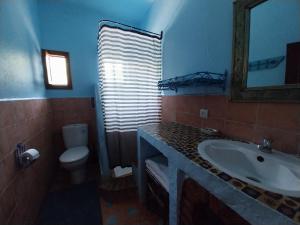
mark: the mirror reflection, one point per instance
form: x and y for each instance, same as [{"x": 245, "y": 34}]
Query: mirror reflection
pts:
[{"x": 274, "y": 44}]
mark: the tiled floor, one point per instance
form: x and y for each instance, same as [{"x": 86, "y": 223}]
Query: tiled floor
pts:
[
  {"x": 62, "y": 177},
  {"x": 118, "y": 199},
  {"x": 123, "y": 208}
]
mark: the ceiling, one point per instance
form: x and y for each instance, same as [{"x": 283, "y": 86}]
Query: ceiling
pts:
[{"x": 134, "y": 12}]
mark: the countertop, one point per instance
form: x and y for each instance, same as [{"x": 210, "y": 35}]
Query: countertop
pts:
[{"x": 179, "y": 144}]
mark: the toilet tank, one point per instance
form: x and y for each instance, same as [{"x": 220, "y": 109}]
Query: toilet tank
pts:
[{"x": 75, "y": 135}]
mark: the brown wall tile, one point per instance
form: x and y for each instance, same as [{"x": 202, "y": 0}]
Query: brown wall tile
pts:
[
  {"x": 29, "y": 122},
  {"x": 188, "y": 104},
  {"x": 283, "y": 116},
  {"x": 242, "y": 112},
  {"x": 7, "y": 112},
  {"x": 298, "y": 144},
  {"x": 188, "y": 119},
  {"x": 8, "y": 200},
  {"x": 250, "y": 121},
  {"x": 168, "y": 114},
  {"x": 37, "y": 124},
  {"x": 216, "y": 123},
  {"x": 238, "y": 130},
  {"x": 216, "y": 106}
]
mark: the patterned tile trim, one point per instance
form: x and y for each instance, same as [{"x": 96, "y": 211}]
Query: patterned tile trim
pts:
[{"x": 185, "y": 139}]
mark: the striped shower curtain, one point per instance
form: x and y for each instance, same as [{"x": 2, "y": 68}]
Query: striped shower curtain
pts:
[{"x": 129, "y": 70}]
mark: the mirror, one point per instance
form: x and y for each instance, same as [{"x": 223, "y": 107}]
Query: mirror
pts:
[
  {"x": 266, "y": 51},
  {"x": 274, "y": 43}
]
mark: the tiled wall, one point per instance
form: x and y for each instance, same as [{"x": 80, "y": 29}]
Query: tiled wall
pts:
[
  {"x": 249, "y": 121},
  {"x": 22, "y": 191},
  {"x": 36, "y": 123}
]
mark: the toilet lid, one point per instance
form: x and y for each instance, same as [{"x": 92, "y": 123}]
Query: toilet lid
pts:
[{"x": 74, "y": 154}]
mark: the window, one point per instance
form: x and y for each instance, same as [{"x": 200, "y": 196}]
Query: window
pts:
[{"x": 56, "y": 69}]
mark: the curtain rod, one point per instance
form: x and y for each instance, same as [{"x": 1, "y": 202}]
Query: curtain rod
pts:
[{"x": 132, "y": 27}]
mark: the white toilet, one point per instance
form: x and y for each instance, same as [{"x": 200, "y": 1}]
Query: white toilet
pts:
[{"x": 75, "y": 157}]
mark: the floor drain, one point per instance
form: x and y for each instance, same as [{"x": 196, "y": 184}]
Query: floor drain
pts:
[{"x": 254, "y": 179}]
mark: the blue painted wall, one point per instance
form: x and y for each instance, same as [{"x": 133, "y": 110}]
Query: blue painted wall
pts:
[
  {"x": 192, "y": 40},
  {"x": 198, "y": 37},
  {"x": 163, "y": 14},
  {"x": 20, "y": 64},
  {"x": 274, "y": 24},
  {"x": 67, "y": 25},
  {"x": 70, "y": 28},
  {"x": 73, "y": 27}
]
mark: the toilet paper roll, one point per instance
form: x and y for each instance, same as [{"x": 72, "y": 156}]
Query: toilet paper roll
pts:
[{"x": 31, "y": 154}]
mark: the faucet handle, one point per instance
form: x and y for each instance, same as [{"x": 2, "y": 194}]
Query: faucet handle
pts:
[
  {"x": 267, "y": 142},
  {"x": 266, "y": 145}
]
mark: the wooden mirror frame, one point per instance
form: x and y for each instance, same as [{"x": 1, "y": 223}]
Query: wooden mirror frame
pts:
[{"x": 239, "y": 90}]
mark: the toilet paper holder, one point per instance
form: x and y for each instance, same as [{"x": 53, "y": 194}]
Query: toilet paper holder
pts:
[{"x": 25, "y": 157}]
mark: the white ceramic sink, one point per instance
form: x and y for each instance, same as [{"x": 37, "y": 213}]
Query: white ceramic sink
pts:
[{"x": 276, "y": 172}]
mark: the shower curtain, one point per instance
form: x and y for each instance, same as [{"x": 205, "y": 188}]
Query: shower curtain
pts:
[{"x": 129, "y": 70}]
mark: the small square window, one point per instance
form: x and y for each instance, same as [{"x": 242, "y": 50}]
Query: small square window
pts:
[{"x": 56, "y": 69}]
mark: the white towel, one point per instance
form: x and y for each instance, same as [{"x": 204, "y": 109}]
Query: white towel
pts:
[{"x": 158, "y": 166}]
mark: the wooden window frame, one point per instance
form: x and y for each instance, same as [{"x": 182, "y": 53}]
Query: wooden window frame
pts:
[{"x": 60, "y": 53}]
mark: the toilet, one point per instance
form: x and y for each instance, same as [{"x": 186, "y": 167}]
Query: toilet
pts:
[{"x": 75, "y": 157}]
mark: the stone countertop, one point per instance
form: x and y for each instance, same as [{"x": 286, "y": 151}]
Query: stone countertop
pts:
[{"x": 259, "y": 207}]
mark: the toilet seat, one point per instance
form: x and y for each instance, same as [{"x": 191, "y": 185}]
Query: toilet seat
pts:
[{"x": 74, "y": 154}]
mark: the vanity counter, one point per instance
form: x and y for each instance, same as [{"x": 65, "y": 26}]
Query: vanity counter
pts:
[{"x": 179, "y": 144}]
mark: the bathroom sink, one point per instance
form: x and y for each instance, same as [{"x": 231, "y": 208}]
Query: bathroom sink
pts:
[{"x": 276, "y": 172}]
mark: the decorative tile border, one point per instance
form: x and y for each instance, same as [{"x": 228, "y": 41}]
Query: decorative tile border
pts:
[{"x": 185, "y": 139}]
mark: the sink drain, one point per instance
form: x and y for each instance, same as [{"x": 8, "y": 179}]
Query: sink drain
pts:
[{"x": 254, "y": 179}]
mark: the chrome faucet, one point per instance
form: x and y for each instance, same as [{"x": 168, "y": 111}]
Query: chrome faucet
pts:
[{"x": 266, "y": 146}]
